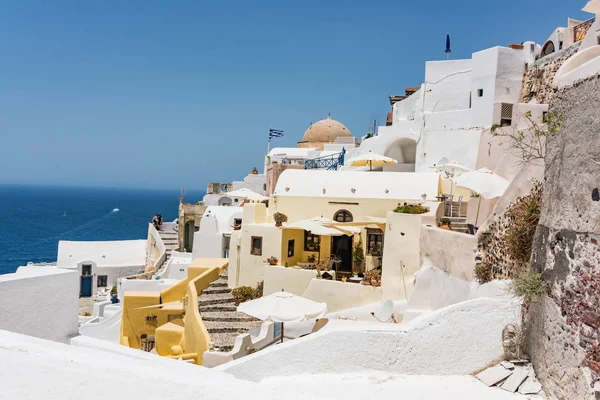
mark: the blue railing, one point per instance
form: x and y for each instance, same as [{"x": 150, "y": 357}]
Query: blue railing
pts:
[{"x": 331, "y": 162}]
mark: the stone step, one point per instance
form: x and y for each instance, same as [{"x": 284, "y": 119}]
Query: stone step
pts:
[
  {"x": 223, "y": 341},
  {"x": 216, "y": 289},
  {"x": 218, "y": 298},
  {"x": 226, "y": 316},
  {"x": 227, "y": 307},
  {"x": 237, "y": 326},
  {"x": 218, "y": 283}
]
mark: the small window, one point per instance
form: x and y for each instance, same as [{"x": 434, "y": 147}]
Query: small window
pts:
[
  {"x": 343, "y": 216},
  {"x": 291, "y": 244},
  {"x": 264, "y": 186},
  {"x": 598, "y": 40},
  {"x": 505, "y": 122},
  {"x": 237, "y": 224},
  {"x": 256, "y": 245},
  {"x": 311, "y": 242},
  {"x": 479, "y": 92},
  {"x": 235, "y": 200},
  {"x": 102, "y": 280},
  {"x": 560, "y": 45},
  {"x": 86, "y": 270},
  {"x": 532, "y": 47},
  {"x": 374, "y": 242}
]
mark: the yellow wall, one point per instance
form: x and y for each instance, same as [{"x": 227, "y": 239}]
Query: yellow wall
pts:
[
  {"x": 298, "y": 236},
  {"x": 194, "y": 339},
  {"x": 133, "y": 321}
]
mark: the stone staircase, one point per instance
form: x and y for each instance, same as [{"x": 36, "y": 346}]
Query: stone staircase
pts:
[
  {"x": 218, "y": 311},
  {"x": 170, "y": 240},
  {"x": 459, "y": 224}
]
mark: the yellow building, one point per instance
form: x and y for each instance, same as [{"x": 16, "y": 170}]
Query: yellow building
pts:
[{"x": 169, "y": 321}]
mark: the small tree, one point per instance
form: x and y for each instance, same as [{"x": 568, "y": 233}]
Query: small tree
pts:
[
  {"x": 530, "y": 142},
  {"x": 358, "y": 257},
  {"x": 279, "y": 218}
]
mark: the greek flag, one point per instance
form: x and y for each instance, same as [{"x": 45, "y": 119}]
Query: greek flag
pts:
[{"x": 273, "y": 133}]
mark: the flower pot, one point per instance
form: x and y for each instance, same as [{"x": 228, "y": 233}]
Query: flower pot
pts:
[
  {"x": 377, "y": 283},
  {"x": 373, "y": 282},
  {"x": 344, "y": 279},
  {"x": 446, "y": 227},
  {"x": 272, "y": 263}
]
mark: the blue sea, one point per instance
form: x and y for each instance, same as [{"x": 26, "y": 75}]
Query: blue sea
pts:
[{"x": 33, "y": 219}]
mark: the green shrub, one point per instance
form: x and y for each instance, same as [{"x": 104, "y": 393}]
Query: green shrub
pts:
[
  {"x": 483, "y": 273},
  {"x": 411, "y": 209},
  {"x": 243, "y": 293},
  {"x": 530, "y": 285}
]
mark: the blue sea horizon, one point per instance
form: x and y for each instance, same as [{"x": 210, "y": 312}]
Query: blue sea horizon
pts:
[{"x": 33, "y": 219}]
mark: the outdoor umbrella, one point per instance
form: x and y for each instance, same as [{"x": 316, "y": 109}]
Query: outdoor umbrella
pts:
[
  {"x": 452, "y": 169},
  {"x": 283, "y": 307},
  {"x": 484, "y": 182},
  {"x": 246, "y": 194},
  {"x": 371, "y": 160},
  {"x": 323, "y": 227}
]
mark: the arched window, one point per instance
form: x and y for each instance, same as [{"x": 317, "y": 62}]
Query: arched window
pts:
[
  {"x": 548, "y": 48},
  {"x": 343, "y": 216}
]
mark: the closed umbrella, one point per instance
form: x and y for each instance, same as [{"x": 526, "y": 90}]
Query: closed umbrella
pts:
[
  {"x": 371, "y": 160},
  {"x": 283, "y": 307}
]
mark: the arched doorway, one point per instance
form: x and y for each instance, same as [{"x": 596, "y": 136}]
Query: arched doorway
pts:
[
  {"x": 405, "y": 152},
  {"x": 341, "y": 247},
  {"x": 548, "y": 48}
]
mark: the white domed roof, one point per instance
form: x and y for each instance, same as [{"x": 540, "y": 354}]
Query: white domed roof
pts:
[{"x": 325, "y": 131}]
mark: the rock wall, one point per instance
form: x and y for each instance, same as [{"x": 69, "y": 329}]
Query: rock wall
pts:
[
  {"x": 564, "y": 328},
  {"x": 538, "y": 79}
]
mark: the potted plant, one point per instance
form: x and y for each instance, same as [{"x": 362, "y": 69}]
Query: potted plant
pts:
[
  {"x": 376, "y": 250},
  {"x": 279, "y": 218},
  {"x": 152, "y": 320},
  {"x": 424, "y": 196},
  {"x": 446, "y": 223},
  {"x": 358, "y": 258},
  {"x": 344, "y": 279},
  {"x": 272, "y": 260},
  {"x": 311, "y": 258},
  {"x": 375, "y": 277}
]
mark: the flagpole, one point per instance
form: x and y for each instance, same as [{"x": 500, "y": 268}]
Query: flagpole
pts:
[{"x": 269, "y": 141}]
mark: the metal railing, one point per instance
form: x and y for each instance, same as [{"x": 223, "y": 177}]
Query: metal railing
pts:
[{"x": 331, "y": 162}]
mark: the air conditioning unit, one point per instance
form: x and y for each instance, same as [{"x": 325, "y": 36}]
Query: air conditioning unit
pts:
[{"x": 503, "y": 113}]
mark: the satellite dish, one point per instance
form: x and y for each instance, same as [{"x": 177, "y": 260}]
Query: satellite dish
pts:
[
  {"x": 443, "y": 161},
  {"x": 385, "y": 312}
]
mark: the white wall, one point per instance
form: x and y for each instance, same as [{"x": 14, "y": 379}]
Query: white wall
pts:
[
  {"x": 41, "y": 302},
  {"x": 401, "y": 244},
  {"x": 256, "y": 183},
  {"x": 341, "y": 295},
  {"x": 485, "y": 64},
  {"x": 291, "y": 280},
  {"x": 458, "y": 145},
  {"x": 456, "y": 340},
  {"x": 447, "y": 85},
  {"x": 452, "y": 252}
]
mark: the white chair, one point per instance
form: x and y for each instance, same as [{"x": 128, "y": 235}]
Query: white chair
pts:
[
  {"x": 460, "y": 199},
  {"x": 448, "y": 200}
]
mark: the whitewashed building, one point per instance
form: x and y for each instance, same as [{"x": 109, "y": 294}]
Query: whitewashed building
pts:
[
  {"x": 213, "y": 237},
  {"x": 450, "y": 113},
  {"x": 101, "y": 264}
]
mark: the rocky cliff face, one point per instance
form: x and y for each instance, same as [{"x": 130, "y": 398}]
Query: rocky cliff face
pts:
[{"x": 564, "y": 328}]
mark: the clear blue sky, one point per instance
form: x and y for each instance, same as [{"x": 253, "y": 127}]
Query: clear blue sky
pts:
[{"x": 178, "y": 93}]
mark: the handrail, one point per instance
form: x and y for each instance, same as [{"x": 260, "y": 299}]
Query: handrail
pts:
[{"x": 330, "y": 162}]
